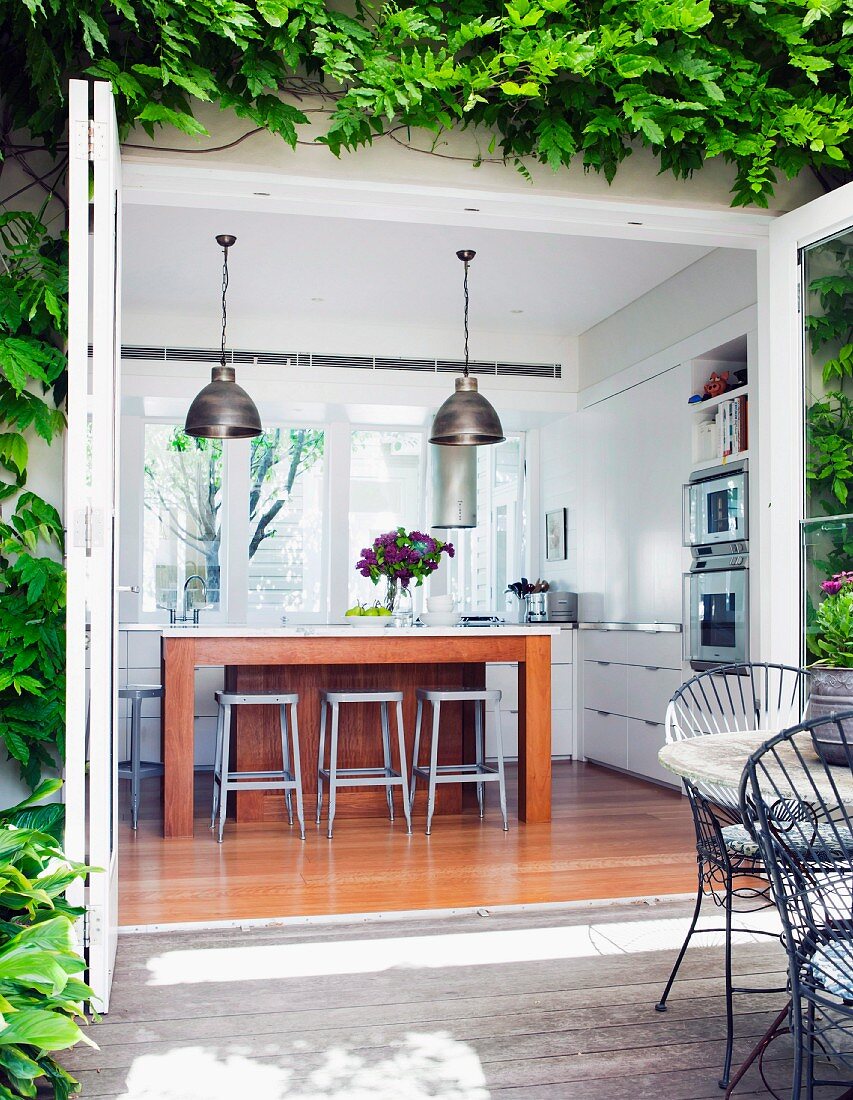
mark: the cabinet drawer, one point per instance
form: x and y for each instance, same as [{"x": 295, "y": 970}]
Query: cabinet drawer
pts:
[
  {"x": 605, "y": 738},
  {"x": 605, "y": 686},
  {"x": 604, "y": 645},
  {"x": 650, "y": 690},
  {"x": 563, "y": 647},
  {"x": 562, "y": 732},
  {"x": 509, "y": 734},
  {"x": 561, "y": 687},
  {"x": 645, "y": 740},
  {"x": 662, "y": 650},
  {"x": 505, "y": 679}
]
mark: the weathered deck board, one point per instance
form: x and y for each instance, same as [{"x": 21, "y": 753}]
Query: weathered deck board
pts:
[{"x": 575, "y": 1028}]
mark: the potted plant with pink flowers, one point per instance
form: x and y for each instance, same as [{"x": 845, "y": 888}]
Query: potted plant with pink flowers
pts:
[
  {"x": 400, "y": 557},
  {"x": 832, "y": 674}
]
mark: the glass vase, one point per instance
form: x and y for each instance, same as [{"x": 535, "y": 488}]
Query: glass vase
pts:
[{"x": 398, "y": 600}]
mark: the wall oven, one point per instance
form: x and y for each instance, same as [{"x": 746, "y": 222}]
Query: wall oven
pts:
[
  {"x": 716, "y": 610},
  {"x": 716, "y": 508}
]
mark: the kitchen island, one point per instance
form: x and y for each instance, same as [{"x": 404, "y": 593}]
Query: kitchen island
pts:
[{"x": 307, "y": 659}]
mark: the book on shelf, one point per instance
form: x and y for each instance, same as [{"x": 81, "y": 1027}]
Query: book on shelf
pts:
[{"x": 732, "y": 427}]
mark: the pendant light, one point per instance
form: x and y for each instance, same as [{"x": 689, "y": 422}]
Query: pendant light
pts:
[
  {"x": 223, "y": 410},
  {"x": 466, "y": 419}
]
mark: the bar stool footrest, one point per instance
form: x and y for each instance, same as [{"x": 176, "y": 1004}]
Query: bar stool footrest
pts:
[
  {"x": 147, "y": 768},
  {"x": 459, "y": 773},
  {"x": 364, "y": 777}
]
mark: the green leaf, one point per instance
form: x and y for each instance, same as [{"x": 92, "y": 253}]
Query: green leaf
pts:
[{"x": 42, "y": 1029}]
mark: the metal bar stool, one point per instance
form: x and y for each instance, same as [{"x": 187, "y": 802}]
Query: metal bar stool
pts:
[
  {"x": 479, "y": 772},
  {"x": 362, "y": 777},
  {"x": 287, "y": 779},
  {"x": 136, "y": 769}
]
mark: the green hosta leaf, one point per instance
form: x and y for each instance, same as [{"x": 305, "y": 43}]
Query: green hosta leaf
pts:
[{"x": 42, "y": 1029}]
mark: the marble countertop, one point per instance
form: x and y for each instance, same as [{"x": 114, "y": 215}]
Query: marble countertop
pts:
[{"x": 309, "y": 630}]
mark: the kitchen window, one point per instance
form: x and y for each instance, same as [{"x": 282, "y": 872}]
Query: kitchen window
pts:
[
  {"x": 386, "y": 491},
  {"x": 274, "y": 525},
  {"x": 182, "y": 523},
  {"x": 285, "y": 535}
]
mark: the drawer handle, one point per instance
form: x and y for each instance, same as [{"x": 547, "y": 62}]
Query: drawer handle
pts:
[
  {"x": 602, "y": 662},
  {"x": 603, "y": 713},
  {"x": 650, "y": 668},
  {"x": 650, "y": 723}
]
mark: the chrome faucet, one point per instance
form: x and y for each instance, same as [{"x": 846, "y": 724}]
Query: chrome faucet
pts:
[{"x": 185, "y": 618}]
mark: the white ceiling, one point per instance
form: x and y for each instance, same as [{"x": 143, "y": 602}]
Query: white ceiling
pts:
[{"x": 380, "y": 273}]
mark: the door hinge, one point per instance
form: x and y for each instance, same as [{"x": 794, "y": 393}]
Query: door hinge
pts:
[
  {"x": 88, "y": 140},
  {"x": 88, "y": 528},
  {"x": 93, "y": 926}
]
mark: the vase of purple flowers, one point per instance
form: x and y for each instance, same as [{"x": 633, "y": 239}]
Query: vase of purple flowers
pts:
[{"x": 399, "y": 558}]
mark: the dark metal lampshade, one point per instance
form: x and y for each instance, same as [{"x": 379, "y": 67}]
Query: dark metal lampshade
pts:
[
  {"x": 223, "y": 410},
  {"x": 466, "y": 419}
]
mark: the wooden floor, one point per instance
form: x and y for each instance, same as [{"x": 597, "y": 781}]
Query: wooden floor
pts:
[
  {"x": 521, "y": 1006},
  {"x": 611, "y": 837}
]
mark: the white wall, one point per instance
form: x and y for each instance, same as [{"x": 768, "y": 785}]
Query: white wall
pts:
[
  {"x": 618, "y": 464},
  {"x": 715, "y": 287}
]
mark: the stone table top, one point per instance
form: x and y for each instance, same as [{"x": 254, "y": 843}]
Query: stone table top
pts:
[{"x": 719, "y": 758}]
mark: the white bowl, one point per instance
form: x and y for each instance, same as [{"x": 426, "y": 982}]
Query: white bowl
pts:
[
  {"x": 369, "y": 622},
  {"x": 440, "y": 618},
  {"x": 439, "y": 603}
]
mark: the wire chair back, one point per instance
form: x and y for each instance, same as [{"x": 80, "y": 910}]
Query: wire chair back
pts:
[
  {"x": 799, "y": 808},
  {"x": 736, "y": 698}
]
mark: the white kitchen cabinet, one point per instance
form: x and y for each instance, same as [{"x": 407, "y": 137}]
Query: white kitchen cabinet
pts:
[
  {"x": 661, "y": 649},
  {"x": 630, "y": 675},
  {"x": 645, "y": 740},
  {"x": 650, "y": 690},
  {"x": 605, "y": 686},
  {"x": 505, "y": 678},
  {"x": 606, "y": 738}
]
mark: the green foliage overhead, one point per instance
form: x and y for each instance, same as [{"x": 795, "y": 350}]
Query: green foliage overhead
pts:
[
  {"x": 763, "y": 84},
  {"x": 42, "y": 994}
]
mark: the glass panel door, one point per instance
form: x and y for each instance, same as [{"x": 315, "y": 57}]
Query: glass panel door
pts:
[{"x": 827, "y": 296}]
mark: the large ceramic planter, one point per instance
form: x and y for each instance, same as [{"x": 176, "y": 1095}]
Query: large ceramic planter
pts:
[{"x": 832, "y": 693}]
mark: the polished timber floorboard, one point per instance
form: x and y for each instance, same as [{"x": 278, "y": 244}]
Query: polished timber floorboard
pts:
[
  {"x": 554, "y": 1005},
  {"x": 611, "y": 837}
]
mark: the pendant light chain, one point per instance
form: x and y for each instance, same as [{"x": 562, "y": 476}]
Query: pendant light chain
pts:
[
  {"x": 465, "y": 284},
  {"x": 224, "y": 300}
]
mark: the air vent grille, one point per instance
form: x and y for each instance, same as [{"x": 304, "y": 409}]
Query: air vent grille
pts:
[{"x": 339, "y": 362}]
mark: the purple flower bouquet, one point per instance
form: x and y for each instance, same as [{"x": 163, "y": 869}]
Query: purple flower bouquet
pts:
[{"x": 400, "y": 558}]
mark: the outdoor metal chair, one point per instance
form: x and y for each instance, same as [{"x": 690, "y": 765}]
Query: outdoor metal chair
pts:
[
  {"x": 798, "y": 810},
  {"x": 725, "y": 700}
]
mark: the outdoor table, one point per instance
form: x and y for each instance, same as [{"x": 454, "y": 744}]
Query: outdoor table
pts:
[{"x": 719, "y": 759}]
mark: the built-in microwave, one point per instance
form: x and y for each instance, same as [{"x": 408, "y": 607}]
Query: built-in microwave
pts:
[
  {"x": 716, "y": 613},
  {"x": 716, "y": 507}
]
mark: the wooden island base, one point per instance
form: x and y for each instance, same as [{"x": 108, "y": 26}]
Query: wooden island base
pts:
[
  {"x": 307, "y": 660},
  {"x": 257, "y": 736}
]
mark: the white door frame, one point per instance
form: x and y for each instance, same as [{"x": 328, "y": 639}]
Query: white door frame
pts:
[
  {"x": 781, "y": 412},
  {"x": 91, "y": 520}
]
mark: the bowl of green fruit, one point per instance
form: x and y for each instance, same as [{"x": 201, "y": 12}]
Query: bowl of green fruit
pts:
[{"x": 375, "y": 617}]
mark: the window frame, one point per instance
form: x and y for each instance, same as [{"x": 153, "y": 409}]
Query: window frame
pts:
[{"x": 335, "y": 494}]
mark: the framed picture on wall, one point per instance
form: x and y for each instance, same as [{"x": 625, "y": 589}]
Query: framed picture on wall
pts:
[{"x": 555, "y": 535}]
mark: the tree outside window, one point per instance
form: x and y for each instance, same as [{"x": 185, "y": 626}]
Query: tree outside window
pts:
[{"x": 183, "y": 504}]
